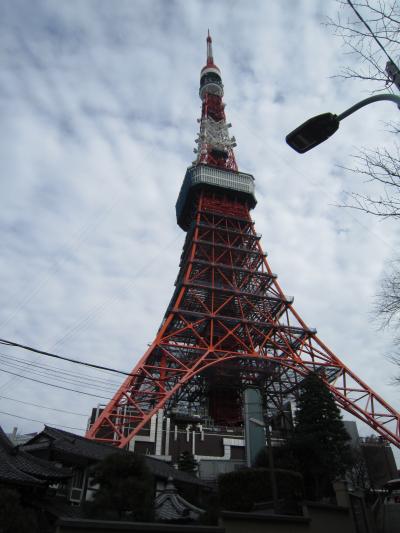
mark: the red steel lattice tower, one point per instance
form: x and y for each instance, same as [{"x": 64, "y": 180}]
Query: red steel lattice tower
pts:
[{"x": 229, "y": 324}]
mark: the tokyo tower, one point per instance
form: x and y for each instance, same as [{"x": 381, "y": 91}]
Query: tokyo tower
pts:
[{"x": 229, "y": 325}]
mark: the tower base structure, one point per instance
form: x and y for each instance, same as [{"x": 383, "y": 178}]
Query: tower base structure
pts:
[{"x": 217, "y": 448}]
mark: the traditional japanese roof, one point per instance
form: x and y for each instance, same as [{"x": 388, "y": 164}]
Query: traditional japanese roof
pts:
[
  {"x": 169, "y": 506},
  {"x": 70, "y": 445},
  {"x": 160, "y": 468},
  {"x": 82, "y": 450},
  {"x": 18, "y": 467}
]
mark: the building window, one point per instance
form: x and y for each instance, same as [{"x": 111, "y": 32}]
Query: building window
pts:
[{"x": 77, "y": 484}]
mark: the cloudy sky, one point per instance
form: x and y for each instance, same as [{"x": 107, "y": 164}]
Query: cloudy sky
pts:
[{"x": 98, "y": 109}]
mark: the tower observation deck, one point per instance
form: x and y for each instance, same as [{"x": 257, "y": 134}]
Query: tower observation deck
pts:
[{"x": 229, "y": 325}]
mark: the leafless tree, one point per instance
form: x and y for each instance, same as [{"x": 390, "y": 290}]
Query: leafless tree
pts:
[
  {"x": 371, "y": 43},
  {"x": 389, "y": 297},
  {"x": 383, "y": 18},
  {"x": 382, "y": 167},
  {"x": 357, "y": 475},
  {"x": 387, "y": 308}
]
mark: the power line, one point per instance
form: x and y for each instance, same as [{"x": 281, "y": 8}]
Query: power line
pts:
[
  {"x": 370, "y": 30},
  {"x": 54, "y": 378},
  {"x": 42, "y": 406},
  {"x": 60, "y": 373},
  {"x": 50, "y": 367},
  {"x": 63, "y": 358},
  {"x": 79, "y": 237},
  {"x": 82, "y": 324},
  {"x": 40, "y": 421},
  {"x": 52, "y": 385},
  {"x": 55, "y": 374}
]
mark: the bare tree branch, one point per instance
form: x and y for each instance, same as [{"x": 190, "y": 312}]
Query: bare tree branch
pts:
[
  {"x": 383, "y": 167},
  {"x": 379, "y": 166},
  {"x": 383, "y": 17}
]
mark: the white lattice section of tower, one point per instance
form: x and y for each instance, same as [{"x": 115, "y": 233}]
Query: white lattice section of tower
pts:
[{"x": 213, "y": 136}]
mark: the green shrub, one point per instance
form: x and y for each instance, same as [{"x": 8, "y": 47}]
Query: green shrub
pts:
[
  {"x": 239, "y": 490},
  {"x": 126, "y": 489},
  {"x": 15, "y": 517}
]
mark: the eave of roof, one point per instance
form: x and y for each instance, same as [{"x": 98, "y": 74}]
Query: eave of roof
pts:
[
  {"x": 72, "y": 445},
  {"x": 19, "y": 467}
]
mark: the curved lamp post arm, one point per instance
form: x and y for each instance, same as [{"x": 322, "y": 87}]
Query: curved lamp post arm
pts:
[
  {"x": 367, "y": 101},
  {"x": 317, "y": 129}
]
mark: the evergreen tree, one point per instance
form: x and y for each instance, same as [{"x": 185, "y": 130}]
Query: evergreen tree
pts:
[
  {"x": 187, "y": 462},
  {"x": 15, "y": 517},
  {"x": 320, "y": 441},
  {"x": 126, "y": 488}
]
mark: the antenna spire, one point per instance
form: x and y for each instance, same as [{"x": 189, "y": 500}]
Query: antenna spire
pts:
[
  {"x": 214, "y": 144},
  {"x": 210, "y": 59}
]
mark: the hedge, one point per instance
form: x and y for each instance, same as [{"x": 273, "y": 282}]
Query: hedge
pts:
[{"x": 239, "y": 490}]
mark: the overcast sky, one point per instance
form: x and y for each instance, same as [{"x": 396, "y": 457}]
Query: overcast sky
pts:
[{"x": 98, "y": 107}]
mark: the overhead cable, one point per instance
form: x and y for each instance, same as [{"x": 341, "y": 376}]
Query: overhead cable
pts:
[
  {"x": 54, "y": 374},
  {"x": 59, "y": 370},
  {"x": 63, "y": 358},
  {"x": 370, "y": 30},
  {"x": 52, "y": 385},
  {"x": 42, "y": 406},
  {"x": 40, "y": 421}
]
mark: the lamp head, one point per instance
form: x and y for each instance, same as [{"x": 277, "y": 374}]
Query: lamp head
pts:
[{"x": 312, "y": 132}]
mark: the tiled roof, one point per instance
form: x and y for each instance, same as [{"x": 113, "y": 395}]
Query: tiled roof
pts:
[
  {"x": 20, "y": 468},
  {"x": 92, "y": 451},
  {"x": 11, "y": 474},
  {"x": 170, "y": 506},
  {"x": 40, "y": 467},
  {"x": 162, "y": 469},
  {"x": 76, "y": 444}
]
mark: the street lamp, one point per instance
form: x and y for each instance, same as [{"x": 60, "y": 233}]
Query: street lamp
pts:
[{"x": 317, "y": 129}]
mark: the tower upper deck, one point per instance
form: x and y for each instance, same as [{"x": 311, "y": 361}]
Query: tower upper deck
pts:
[{"x": 215, "y": 165}]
